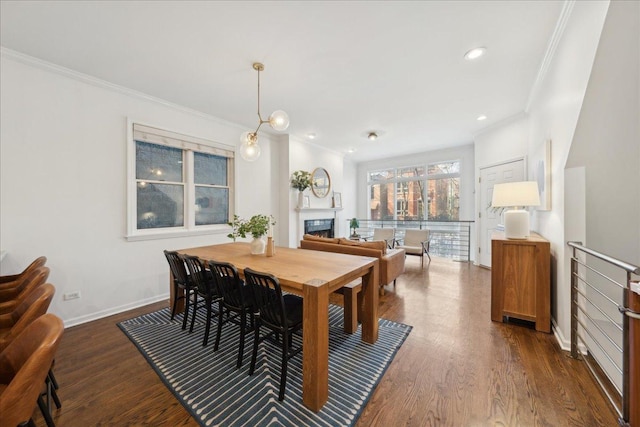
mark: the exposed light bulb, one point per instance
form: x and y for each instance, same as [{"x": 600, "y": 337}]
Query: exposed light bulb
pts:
[
  {"x": 279, "y": 120},
  {"x": 250, "y": 151}
]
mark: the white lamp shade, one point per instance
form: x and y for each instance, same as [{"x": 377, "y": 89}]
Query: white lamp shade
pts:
[
  {"x": 250, "y": 151},
  {"x": 279, "y": 120},
  {"x": 513, "y": 194}
]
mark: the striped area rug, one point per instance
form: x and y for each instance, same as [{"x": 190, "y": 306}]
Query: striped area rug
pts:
[{"x": 217, "y": 394}]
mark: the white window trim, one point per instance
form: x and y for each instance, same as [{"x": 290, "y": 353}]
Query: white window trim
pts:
[
  {"x": 188, "y": 143},
  {"x": 444, "y": 175}
]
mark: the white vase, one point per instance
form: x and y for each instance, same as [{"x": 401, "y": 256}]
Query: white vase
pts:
[
  {"x": 257, "y": 246},
  {"x": 300, "y": 199}
]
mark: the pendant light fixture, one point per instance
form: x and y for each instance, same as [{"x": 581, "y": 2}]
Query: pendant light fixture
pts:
[{"x": 278, "y": 120}]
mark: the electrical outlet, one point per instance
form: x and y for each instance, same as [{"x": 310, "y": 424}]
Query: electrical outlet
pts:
[{"x": 71, "y": 295}]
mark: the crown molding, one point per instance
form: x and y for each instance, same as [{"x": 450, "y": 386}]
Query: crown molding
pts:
[
  {"x": 103, "y": 84},
  {"x": 565, "y": 13},
  {"x": 316, "y": 145}
]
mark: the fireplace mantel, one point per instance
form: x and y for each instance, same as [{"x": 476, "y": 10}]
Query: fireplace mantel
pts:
[
  {"x": 315, "y": 213},
  {"x": 318, "y": 209}
]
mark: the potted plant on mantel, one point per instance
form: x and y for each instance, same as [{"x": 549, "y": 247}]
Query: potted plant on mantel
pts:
[
  {"x": 258, "y": 226},
  {"x": 301, "y": 180}
]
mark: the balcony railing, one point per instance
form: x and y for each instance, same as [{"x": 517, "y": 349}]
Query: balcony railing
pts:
[
  {"x": 605, "y": 326},
  {"x": 449, "y": 239}
]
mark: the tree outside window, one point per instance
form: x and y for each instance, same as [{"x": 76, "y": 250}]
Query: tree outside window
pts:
[
  {"x": 444, "y": 191},
  {"x": 415, "y": 193}
]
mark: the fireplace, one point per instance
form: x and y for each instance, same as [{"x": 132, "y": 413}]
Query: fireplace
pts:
[{"x": 319, "y": 227}]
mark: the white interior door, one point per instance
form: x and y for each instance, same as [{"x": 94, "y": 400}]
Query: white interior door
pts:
[{"x": 488, "y": 220}]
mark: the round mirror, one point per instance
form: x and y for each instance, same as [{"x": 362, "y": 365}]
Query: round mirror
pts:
[{"x": 320, "y": 182}]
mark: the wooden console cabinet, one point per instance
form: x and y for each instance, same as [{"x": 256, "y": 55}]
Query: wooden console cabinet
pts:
[{"x": 520, "y": 280}]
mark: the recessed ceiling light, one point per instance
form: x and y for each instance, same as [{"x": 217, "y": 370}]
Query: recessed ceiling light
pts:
[
  {"x": 372, "y": 136},
  {"x": 311, "y": 135},
  {"x": 481, "y": 117},
  {"x": 475, "y": 53}
]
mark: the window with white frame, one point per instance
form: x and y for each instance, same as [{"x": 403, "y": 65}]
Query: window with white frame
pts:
[
  {"x": 415, "y": 192},
  {"x": 443, "y": 191},
  {"x": 178, "y": 184}
]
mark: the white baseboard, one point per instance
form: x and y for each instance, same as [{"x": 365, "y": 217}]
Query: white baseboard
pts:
[
  {"x": 565, "y": 344},
  {"x": 115, "y": 310}
]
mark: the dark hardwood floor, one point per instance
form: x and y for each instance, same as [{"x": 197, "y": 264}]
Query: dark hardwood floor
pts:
[{"x": 457, "y": 368}]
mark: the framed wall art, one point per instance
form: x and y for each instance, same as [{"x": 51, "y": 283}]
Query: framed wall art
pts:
[
  {"x": 337, "y": 200},
  {"x": 542, "y": 175}
]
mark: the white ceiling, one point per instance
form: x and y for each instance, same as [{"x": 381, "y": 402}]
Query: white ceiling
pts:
[{"x": 339, "y": 69}]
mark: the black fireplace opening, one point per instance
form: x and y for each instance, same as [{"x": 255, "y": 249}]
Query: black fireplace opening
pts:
[{"x": 319, "y": 227}]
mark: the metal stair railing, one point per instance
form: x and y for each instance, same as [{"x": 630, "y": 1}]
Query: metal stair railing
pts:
[
  {"x": 449, "y": 239},
  {"x": 605, "y": 326}
]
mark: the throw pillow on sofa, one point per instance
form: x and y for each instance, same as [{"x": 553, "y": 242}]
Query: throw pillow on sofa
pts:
[
  {"x": 380, "y": 245},
  {"x": 320, "y": 239}
]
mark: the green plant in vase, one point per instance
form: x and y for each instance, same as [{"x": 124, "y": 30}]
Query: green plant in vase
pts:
[
  {"x": 301, "y": 180},
  {"x": 257, "y": 226},
  {"x": 235, "y": 228}
]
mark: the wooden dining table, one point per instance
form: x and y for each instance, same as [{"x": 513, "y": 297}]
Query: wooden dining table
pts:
[{"x": 314, "y": 275}]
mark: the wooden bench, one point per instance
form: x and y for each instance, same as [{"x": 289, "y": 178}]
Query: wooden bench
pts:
[{"x": 352, "y": 293}]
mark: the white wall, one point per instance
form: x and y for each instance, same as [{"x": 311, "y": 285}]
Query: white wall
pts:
[
  {"x": 606, "y": 147},
  {"x": 501, "y": 143},
  {"x": 506, "y": 141},
  {"x": 307, "y": 156},
  {"x": 349, "y": 191},
  {"x": 463, "y": 153},
  {"x": 553, "y": 114},
  {"x": 63, "y": 185},
  {"x": 607, "y": 137}
]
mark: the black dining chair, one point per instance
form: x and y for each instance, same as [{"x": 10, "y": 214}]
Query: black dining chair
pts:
[
  {"x": 205, "y": 288},
  {"x": 282, "y": 314},
  {"x": 181, "y": 281},
  {"x": 236, "y": 299}
]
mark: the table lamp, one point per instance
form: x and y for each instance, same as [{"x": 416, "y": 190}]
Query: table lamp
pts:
[{"x": 517, "y": 196}]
